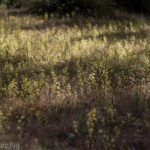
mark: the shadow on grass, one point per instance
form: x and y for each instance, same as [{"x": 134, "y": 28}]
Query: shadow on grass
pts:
[
  {"x": 113, "y": 37},
  {"x": 56, "y": 131}
]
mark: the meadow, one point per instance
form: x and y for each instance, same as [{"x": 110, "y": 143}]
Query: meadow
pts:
[{"x": 74, "y": 83}]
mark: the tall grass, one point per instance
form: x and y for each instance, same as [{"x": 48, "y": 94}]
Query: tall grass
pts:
[{"x": 74, "y": 83}]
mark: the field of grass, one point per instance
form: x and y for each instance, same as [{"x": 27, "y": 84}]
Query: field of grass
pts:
[{"x": 74, "y": 83}]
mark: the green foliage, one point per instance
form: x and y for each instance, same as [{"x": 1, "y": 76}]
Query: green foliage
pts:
[
  {"x": 86, "y": 7},
  {"x": 10, "y": 3}
]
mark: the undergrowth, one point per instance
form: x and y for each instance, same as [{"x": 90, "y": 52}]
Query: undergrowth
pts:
[{"x": 74, "y": 83}]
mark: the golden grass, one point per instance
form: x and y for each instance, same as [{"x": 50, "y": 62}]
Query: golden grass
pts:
[{"x": 75, "y": 82}]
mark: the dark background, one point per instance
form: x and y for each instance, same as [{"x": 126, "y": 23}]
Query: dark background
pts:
[{"x": 85, "y": 7}]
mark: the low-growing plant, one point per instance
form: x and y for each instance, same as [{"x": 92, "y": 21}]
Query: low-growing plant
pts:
[{"x": 74, "y": 82}]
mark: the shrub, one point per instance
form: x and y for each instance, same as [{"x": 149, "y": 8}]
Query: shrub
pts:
[{"x": 86, "y": 7}]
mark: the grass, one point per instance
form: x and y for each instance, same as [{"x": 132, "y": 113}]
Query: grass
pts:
[{"x": 74, "y": 83}]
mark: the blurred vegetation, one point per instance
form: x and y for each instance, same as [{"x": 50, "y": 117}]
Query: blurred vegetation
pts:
[
  {"x": 74, "y": 83},
  {"x": 71, "y": 81},
  {"x": 86, "y": 7}
]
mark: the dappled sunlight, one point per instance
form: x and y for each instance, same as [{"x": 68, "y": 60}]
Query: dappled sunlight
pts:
[{"x": 74, "y": 84}]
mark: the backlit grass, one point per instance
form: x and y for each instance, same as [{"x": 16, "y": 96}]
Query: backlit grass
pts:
[{"x": 74, "y": 83}]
